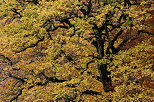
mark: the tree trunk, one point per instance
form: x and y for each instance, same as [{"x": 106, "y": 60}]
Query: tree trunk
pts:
[
  {"x": 100, "y": 46},
  {"x": 105, "y": 79},
  {"x": 102, "y": 68}
]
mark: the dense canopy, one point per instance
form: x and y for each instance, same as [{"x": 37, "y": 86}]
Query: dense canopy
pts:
[{"x": 76, "y": 51}]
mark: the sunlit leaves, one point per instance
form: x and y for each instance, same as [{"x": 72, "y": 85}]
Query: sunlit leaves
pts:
[
  {"x": 130, "y": 67},
  {"x": 58, "y": 39}
]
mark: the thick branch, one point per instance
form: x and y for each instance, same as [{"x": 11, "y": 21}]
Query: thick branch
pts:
[
  {"x": 18, "y": 94},
  {"x": 127, "y": 2},
  {"x": 116, "y": 36},
  {"x": 30, "y": 46},
  {"x": 91, "y": 92},
  {"x": 66, "y": 20},
  {"x": 54, "y": 79},
  {"x": 60, "y": 26},
  {"x": 89, "y": 6},
  {"x": 123, "y": 43},
  {"x": 48, "y": 79},
  {"x": 109, "y": 40},
  {"x": 100, "y": 46},
  {"x": 143, "y": 31},
  {"x": 111, "y": 46},
  {"x": 15, "y": 11},
  {"x": 33, "y": 1},
  {"x": 17, "y": 78}
]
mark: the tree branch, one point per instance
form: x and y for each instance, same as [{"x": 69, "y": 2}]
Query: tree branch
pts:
[
  {"x": 60, "y": 26},
  {"x": 15, "y": 11},
  {"x": 30, "y": 46},
  {"x": 111, "y": 46},
  {"x": 123, "y": 43},
  {"x": 89, "y": 6},
  {"x": 143, "y": 31},
  {"x": 17, "y": 78},
  {"x": 18, "y": 94},
  {"x": 8, "y": 59},
  {"x": 90, "y": 92}
]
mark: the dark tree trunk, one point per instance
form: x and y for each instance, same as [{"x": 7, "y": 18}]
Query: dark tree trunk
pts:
[
  {"x": 127, "y": 2},
  {"x": 105, "y": 79},
  {"x": 100, "y": 46},
  {"x": 102, "y": 68}
]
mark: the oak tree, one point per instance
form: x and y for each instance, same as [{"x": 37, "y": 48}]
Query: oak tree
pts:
[{"x": 65, "y": 50}]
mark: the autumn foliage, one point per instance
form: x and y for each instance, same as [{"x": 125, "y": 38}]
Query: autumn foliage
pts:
[{"x": 76, "y": 51}]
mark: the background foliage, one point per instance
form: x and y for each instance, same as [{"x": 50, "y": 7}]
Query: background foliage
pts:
[{"x": 76, "y": 50}]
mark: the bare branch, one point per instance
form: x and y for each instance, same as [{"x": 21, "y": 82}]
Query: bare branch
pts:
[
  {"x": 143, "y": 31},
  {"x": 30, "y": 46},
  {"x": 18, "y": 94}
]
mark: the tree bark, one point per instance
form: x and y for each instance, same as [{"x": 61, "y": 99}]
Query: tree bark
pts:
[
  {"x": 105, "y": 79},
  {"x": 102, "y": 68}
]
